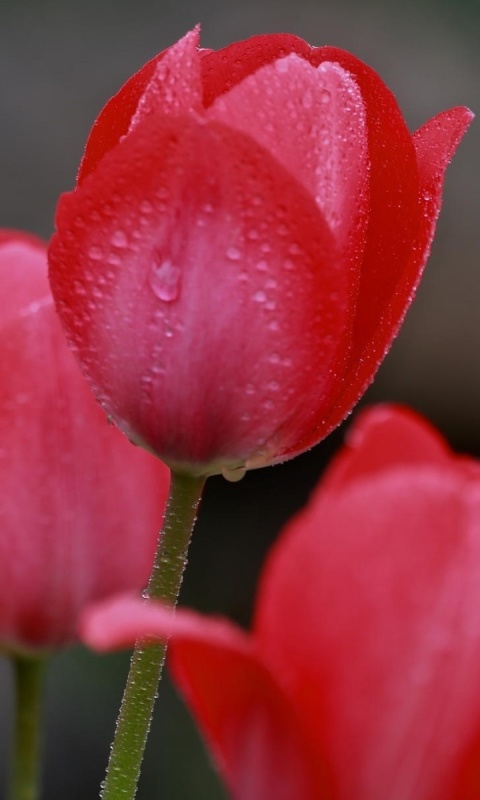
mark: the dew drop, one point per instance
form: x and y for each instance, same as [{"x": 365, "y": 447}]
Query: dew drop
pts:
[
  {"x": 95, "y": 253},
  {"x": 234, "y": 254},
  {"x": 281, "y": 65},
  {"x": 119, "y": 239},
  {"x": 259, "y": 297},
  {"x": 307, "y": 99},
  {"x": 165, "y": 280},
  {"x": 294, "y": 249},
  {"x": 262, "y": 266},
  {"x": 233, "y": 475}
]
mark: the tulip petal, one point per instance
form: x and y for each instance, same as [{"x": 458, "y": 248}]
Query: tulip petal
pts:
[
  {"x": 312, "y": 121},
  {"x": 370, "y": 611},
  {"x": 225, "y": 68},
  {"x": 175, "y": 86},
  {"x": 247, "y": 720},
  {"x": 175, "y": 199},
  {"x": 171, "y": 79},
  {"x": 435, "y": 144},
  {"x": 402, "y": 211},
  {"x": 384, "y": 436}
]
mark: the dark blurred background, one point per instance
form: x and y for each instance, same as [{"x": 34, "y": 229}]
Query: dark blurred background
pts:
[{"x": 59, "y": 62}]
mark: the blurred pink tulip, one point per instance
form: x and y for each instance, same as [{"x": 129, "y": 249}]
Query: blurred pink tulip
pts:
[
  {"x": 361, "y": 677},
  {"x": 80, "y": 508}
]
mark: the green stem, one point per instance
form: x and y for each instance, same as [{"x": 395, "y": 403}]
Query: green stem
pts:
[
  {"x": 147, "y": 661},
  {"x": 25, "y": 774}
]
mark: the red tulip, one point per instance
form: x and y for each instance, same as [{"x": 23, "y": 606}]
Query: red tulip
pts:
[
  {"x": 361, "y": 676},
  {"x": 80, "y": 509},
  {"x": 246, "y": 234}
]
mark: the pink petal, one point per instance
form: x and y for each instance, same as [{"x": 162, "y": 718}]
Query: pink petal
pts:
[
  {"x": 312, "y": 121},
  {"x": 370, "y": 613},
  {"x": 391, "y": 235},
  {"x": 385, "y": 436},
  {"x": 225, "y": 68},
  {"x": 175, "y": 86},
  {"x": 243, "y": 713},
  {"x": 190, "y": 227},
  {"x": 71, "y": 525}
]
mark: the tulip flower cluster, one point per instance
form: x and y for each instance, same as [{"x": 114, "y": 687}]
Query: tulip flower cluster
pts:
[{"x": 246, "y": 234}]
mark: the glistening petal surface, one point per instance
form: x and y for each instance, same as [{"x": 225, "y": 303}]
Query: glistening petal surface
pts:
[
  {"x": 435, "y": 144},
  {"x": 177, "y": 200}
]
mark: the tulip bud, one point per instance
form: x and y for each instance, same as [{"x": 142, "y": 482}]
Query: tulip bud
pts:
[{"x": 246, "y": 234}]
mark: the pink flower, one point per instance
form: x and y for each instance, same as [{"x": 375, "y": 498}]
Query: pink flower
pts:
[
  {"x": 360, "y": 678},
  {"x": 80, "y": 508},
  {"x": 246, "y": 234}
]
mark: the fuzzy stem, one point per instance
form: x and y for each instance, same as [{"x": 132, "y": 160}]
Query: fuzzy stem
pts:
[{"x": 147, "y": 661}]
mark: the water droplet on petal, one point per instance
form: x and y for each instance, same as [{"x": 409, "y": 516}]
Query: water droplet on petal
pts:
[
  {"x": 234, "y": 254},
  {"x": 325, "y": 96},
  {"x": 165, "y": 280},
  {"x": 233, "y": 475},
  {"x": 95, "y": 253},
  {"x": 260, "y": 297},
  {"x": 282, "y": 65},
  {"x": 119, "y": 239}
]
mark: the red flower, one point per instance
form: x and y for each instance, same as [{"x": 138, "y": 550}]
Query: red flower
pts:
[
  {"x": 79, "y": 509},
  {"x": 361, "y": 676},
  {"x": 247, "y": 232}
]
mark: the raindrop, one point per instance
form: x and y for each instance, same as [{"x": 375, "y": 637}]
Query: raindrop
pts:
[
  {"x": 165, "y": 280},
  {"x": 234, "y": 254},
  {"x": 259, "y": 297},
  {"x": 233, "y": 474},
  {"x": 95, "y": 253},
  {"x": 294, "y": 249},
  {"x": 282, "y": 65},
  {"x": 262, "y": 266},
  {"x": 119, "y": 239}
]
